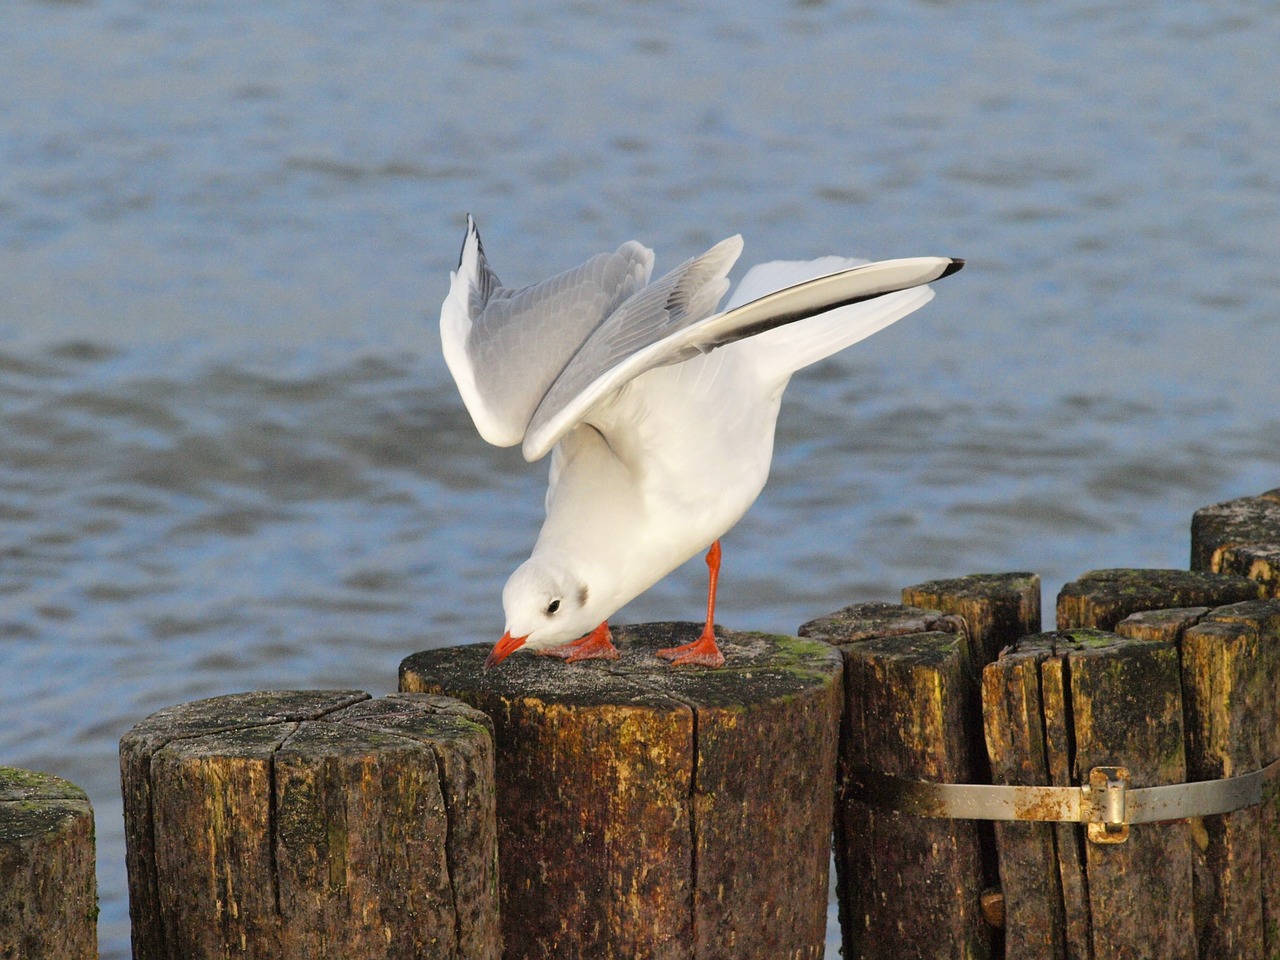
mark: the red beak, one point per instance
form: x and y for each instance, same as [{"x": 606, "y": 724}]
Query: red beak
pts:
[{"x": 503, "y": 649}]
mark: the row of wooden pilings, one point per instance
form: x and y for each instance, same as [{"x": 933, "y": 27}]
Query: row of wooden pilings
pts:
[{"x": 627, "y": 809}]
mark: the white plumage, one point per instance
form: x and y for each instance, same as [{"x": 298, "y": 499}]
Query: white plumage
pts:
[{"x": 658, "y": 412}]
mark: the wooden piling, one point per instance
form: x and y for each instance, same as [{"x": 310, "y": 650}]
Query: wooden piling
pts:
[
  {"x": 660, "y": 812},
  {"x": 310, "y": 824},
  {"x": 997, "y": 608},
  {"x": 908, "y": 886},
  {"x": 1059, "y": 734},
  {"x": 1165, "y": 625},
  {"x": 1035, "y": 925},
  {"x": 1240, "y": 537},
  {"x": 1231, "y": 690},
  {"x": 1104, "y": 701},
  {"x": 1102, "y": 598},
  {"x": 1126, "y": 705},
  {"x": 1230, "y": 671},
  {"x": 48, "y": 896}
]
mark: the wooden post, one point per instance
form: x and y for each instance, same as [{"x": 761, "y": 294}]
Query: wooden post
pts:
[
  {"x": 1035, "y": 926},
  {"x": 1126, "y": 704},
  {"x": 1240, "y": 537},
  {"x": 1230, "y": 671},
  {"x": 48, "y": 897},
  {"x": 1102, "y": 598},
  {"x": 872, "y": 621},
  {"x": 1105, "y": 701},
  {"x": 311, "y": 824},
  {"x": 1165, "y": 625},
  {"x": 659, "y": 812},
  {"x": 908, "y": 886},
  {"x": 997, "y": 608},
  {"x": 1059, "y": 740}
]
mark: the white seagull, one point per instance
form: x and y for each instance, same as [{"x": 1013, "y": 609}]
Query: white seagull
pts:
[{"x": 657, "y": 410}]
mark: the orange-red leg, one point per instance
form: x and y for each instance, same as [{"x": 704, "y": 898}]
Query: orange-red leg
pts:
[
  {"x": 703, "y": 651},
  {"x": 596, "y": 645}
]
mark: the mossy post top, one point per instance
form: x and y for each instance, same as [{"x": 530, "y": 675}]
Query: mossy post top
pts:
[{"x": 758, "y": 667}]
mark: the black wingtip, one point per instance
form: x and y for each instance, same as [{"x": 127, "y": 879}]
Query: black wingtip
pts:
[
  {"x": 471, "y": 228},
  {"x": 954, "y": 267}
]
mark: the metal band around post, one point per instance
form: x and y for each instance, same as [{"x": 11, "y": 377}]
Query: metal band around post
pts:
[{"x": 1106, "y": 801}]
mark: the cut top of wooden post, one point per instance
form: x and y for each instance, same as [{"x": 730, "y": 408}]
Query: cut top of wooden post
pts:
[
  {"x": 870, "y": 621},
  {"x": 658, "y": 811},
  {"x": 997, "y": 608},
  {"x": 35, "y": 804},
  {"x": 772, "y": 666},
  {"x": 1225, "y": 534},
  {"x": 1102, "y": 598},
  {"x": 311, "y": 823},
  {"x": 18, "y": 786},
  {"x": 48, "y": 907}
]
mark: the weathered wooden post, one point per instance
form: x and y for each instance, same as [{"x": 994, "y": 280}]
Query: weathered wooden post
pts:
[
  {"x": 1031, "y": 882},
  {"x": 48, "y": 895},
  {"x": 311, "y": 824},
  {"x": 997, "y": 608},
  {"x": 1126, "y": 711},
  {"x": 1240, "y": 537},
  {"x": 1166, "y": 625},
  {"x": 651, "y": 811},
  {"x": 908, "y": 886},
  {"x": 1102, "y": 598},
  {"x": 1231, "y": 686},
  {"x": 1100, "y": 701}
]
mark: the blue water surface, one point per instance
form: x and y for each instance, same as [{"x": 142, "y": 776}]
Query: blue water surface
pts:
[{"x": 230, "y": 454}]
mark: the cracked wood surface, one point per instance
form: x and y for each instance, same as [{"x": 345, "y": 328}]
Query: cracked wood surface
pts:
[
  {"x": 909, "y": 887},
  {"x": 311, "y": 824},
  {"x": 48, "y": 903},
  {"x": 659, "y": 812}
]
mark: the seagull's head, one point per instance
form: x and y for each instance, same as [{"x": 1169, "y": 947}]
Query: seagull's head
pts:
[{"x": 545, "y": 603}]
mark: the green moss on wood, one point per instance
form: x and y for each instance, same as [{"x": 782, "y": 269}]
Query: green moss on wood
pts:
[
  {"x": 654, "y": 769},
  {"x": 1102, "y": 598},
  {"x": 1240, "y": 523},
  {"x": 18, "y": 784}
]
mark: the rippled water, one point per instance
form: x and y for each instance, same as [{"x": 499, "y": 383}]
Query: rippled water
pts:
[{"x": 231, "y": 458}]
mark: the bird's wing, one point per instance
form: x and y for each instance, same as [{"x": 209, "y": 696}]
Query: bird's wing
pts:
[
  {"x": 572, "y": 397},
  {"x": 652, "y": 316},
  {"x": 505, "y": 347}
]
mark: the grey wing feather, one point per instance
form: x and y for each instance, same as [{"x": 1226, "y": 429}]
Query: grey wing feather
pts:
[
  {"x": 571, "y": 399},
  {"x": 684, "y": 296},
  {"x": 506, "y": 346}
]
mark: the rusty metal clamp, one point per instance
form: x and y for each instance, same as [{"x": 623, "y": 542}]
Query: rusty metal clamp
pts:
[{"x": 1106, "y": 803}]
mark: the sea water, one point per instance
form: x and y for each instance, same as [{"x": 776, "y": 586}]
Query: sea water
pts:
[{"x": 231, "y": 457}]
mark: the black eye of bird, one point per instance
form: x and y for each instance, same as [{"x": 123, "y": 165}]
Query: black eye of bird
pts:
[{"x": 553, "y": 606}]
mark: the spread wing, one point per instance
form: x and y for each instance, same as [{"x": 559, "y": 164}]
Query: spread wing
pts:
[
  {"x": 572, "y": 397},
  {"x": 505, "y": 347},
  {"x": 530, "y": 363}
]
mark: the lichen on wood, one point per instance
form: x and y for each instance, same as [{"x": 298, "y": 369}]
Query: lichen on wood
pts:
[
  {"x": 313, "y": 823},
  {"x": 1240, "y": 536},
  {"x": 997, "y": 608},
  {"x": 48, "y": 896},
  {"x": 1102, "y": 598},
  {"x": 653, "y": 811}
]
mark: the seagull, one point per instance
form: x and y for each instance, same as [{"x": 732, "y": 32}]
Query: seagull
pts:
[{"x": 658, "y": 411}]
